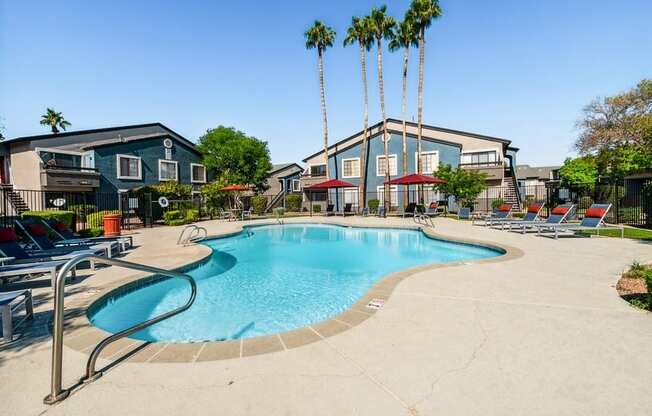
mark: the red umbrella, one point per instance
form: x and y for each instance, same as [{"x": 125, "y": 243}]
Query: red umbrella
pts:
[
  {"x": 333, "y": 183},
  {"x": 234, "y": 188},
  {"x": 415, "y": 179}
]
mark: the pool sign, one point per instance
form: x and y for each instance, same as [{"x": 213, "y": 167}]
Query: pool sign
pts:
[
  {"x": 163, "y": 202},
  {"x": 59, "y": 202}
]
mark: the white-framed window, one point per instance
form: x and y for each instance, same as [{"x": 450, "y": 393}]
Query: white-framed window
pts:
[
  {"x": 351, "y": 168},
  {"x": 197, "y": 173},
  {"x": 129, "y": 167},
  {"x": 168, "y": 170},
  {"x": 381, "y": 165},
  {"x": 393, "y": 195},
  {"x": 296, "y": 185},
  {"x": 479, "y": 158},
  {"x": 351, "y": 196},
  {"x": 429, "y": 161},
  {"x": 168, "y": 154}
]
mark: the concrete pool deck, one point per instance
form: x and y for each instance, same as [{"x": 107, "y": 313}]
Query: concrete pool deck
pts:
[{"x": 541, "y": 333}]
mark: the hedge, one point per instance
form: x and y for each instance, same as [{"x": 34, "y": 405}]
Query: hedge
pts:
[
  {"x": 176, "y": 217},
  {"x": 316, "y": 209},
  {"x": 373, "y": 205},
  {"x": 91, "y": 232},
  {"x": 259, "y": 203},
  {"x": 497, "y": 202},
  {"x": 96, "y": 219},
  {"x": 293, "y": 203},
  {"x": 61, "y": 216}
]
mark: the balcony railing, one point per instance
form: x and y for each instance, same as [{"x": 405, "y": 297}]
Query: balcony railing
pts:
[
  {"x": 70, "y": 168},
  {"x": 476, "y": 165}
]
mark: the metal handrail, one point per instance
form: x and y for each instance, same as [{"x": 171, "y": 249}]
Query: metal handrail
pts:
[
  {"x": 423, "y": 219},
  {"x": 193, "y": 236},
  {"x": 57, "y": 393}
]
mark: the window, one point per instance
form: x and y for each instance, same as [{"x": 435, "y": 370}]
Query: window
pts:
[
  {"x": 296, "y": 185},
  {"x": 318, "y": 170},
  {"x": 52, "y": 159},
  {"x": 393, "y": 195},
  {"x": 167, "y": 170},
  {"x": 351, "y": 168},
  {"x": 168, "y": 154},
  {"x": 479, "y": 158},
  {"x": 197, "y": 173},
  {"x": 351, "y": 196},
  {"x": 429, "y": 161},
  {"x": 381, "y": 166},
  {"x": 129, "y": 167}
]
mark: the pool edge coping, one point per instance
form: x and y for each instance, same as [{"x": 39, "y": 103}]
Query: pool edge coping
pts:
[{"x": 81, "y": 335}]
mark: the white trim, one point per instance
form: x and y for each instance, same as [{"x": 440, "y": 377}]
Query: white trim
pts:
[
  {"x": 499, "y": 153},
  {"x": 192, "y": 179},
  {"x": 393, "y": 189},
  {"x": 350, "y": 191},
  {"x": 176, "y": 164},
  {"x": 416, "y": 160},
  {"x": 55, "y": 150},
  {"x": 393, "y": 155},
  {"x": 359, "y": 167},
  {"x": 140, "y": 167},
  {"x": 298, "y": 188}
]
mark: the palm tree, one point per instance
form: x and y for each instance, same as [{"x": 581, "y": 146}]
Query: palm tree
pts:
[
  {"x": 423, "y": 12},
  {"x": 382, "y": 27},
  {"x": 55, "y": 120},
  {"x": 320, "y": 36},
  {"x": 406, "y": 36},
  {"x": 360, "y": 32}
]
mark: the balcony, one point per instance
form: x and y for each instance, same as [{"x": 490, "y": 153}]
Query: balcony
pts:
[
  {"x": 69, "y": 178},
  {"x": 493, "y": 170}
]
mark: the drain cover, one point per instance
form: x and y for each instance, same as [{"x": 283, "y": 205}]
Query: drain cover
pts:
[{"x": 376, "y": 303}]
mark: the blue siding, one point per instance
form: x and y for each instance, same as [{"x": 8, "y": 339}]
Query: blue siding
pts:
[
  {"x": 448, "y": 154},
  {"x": 287, "y": 181},
  {"x": 150, "y": 151}
]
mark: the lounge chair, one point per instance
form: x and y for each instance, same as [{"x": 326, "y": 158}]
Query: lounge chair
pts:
[
  {"x": 382, "y": 212},
  {"x": 464, "y": 213},
  {"x": 532, "y": 214},
  {"x": 224, "y": 215},
  {"x": 348, "y": 210},
  {"x": 10, "y": 248},
  {"x": 247, "y": 213},
  {"x": 66, "y": 235},
  {"x": 433, "y": 209},
  {"x": 38, "y": 234},
  {"x": 593, "y": 220},
  {"x": 559, "y": 214},
  {"x": 24, "y": 269},
  {"x": 330, "y": 209},
  {"x": 409, "y": 210},
  {"x": 9, "y": 302},
  {"x": 501, "y": 213}
]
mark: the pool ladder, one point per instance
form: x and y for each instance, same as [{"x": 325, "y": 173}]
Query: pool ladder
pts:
[
  {"x": 423, "y": 219},
  {"x": 193, "y": 236},
  {"x": 57, "y": 392}
]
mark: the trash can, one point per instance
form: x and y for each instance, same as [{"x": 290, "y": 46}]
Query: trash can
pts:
[{"x": 112, "y": 225}]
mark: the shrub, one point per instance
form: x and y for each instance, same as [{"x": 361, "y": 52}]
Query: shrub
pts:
[
  {"x": 293, "y": 203},
  {"x": 171, "y": 215},
  {"x": 91, "y": 232},
  {"x": 174, "y": 223},
  {"x": 96, "y": 219},
  {"x": 61, "y": 216},
  {"x": 192, "y": 215},
  {"x": 373, "y": 205},
  {"x": 279, "y": 212},
  {"x": 497, "y": 202},
  {"x": 316, "y": 208},
  {"x": 174, "y": 190},
  {"x": 259, "y": 203}
]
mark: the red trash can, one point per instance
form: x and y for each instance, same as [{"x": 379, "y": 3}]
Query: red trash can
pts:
[{"x": 112, "y": 225}]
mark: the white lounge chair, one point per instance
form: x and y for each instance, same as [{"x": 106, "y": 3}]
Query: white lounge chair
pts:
[{"x": 593, "y": 220}]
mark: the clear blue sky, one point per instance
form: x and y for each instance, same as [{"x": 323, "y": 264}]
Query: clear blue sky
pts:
[{"x": 519, "y": 69}]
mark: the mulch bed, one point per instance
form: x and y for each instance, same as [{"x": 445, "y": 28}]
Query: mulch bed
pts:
[{"x": 628, "y": 286}]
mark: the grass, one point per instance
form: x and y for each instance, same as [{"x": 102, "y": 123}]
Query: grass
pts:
[{"x": 634, "y": 233}]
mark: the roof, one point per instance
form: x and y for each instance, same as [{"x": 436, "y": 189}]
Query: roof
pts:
[
  {"x": 505, "y": 142},
  {"x": 541, "y": 172},
  {"x": 283, "y": 166},
  {"x": 107, "y": 136}
]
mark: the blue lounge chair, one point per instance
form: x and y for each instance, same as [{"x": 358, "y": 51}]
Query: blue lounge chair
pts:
[
  {"x": 38, "y": 235},
  {"x": 9, "y": 247},
  {"x": 49, "y": 268},
  {"x": 558, "y": 215},
  {"x": 464, "y": 213},
  {"x": 501, "y": 213},
  {"x": 330, "y": 209},
  {"x": 66, "y": 235},
  {"x": 9, "y": 303},
  {"x": 593, "y": 220},
  {"x": 532, "y": 215}
]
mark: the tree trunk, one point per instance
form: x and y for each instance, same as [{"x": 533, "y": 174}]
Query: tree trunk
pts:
[
  {"x": 422, "y": 53},
  {"x": 322, "y": 97},
  {"x": 406, "y": 56},
  {"x": 381, "y": 87},
  {"x": 362, "y": 195}
]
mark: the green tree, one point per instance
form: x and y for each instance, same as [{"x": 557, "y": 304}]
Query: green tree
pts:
[
  {"x": 406, "y": 37},
  {"x": 581, "y": 171},
  {"x": 360, "y": 32},
  {"x": 236, "y": 157},
  {"x": 213, "y": 196},
  {"x": 382, "y": 26},
  {"x": 55, "y": 120},
  {"x": 320, "y": 37},
  {"x": 423, "y": 12},
  {"x": 464, "y": 185}
]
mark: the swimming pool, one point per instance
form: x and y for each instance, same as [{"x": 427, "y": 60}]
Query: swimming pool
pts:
[{"x": 275, "y": 278}]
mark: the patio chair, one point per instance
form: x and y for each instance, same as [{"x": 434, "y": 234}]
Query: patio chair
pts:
[
  {"x": 247, "y": 213},
  {"x": 464, "y": 213},
  {"x": 382, "y": 212},
  {"x": 500, "y": 213},
  {"x": 26, "y": 269},
  {"x": 410, "y": 209},
  {"x": 593, "y": 220},
  {"x": 224, "y": 215},
  {"x": 532, "y": 215},
  {"x": 433, "y": 209},
  {"x": 66, "y": 235},
  {"x": 38, "y": 234},
  {"x": 559, "y": 214},
  {"x": 330, "y": 210},
  {"x": 9, "y": 303},
  {"x": 348, "y": 209},
  {"x": 10, "y": 248}
]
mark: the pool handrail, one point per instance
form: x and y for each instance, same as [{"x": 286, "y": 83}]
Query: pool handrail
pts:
[
  {"x": 193, "y": 236},
  {"x": 57, "y": 393}
]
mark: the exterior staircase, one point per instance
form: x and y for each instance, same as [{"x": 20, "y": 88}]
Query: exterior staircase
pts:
[
  {"x": 511, "y": 193},
  {"x": 15, "y": 199},
  {"x": 278, "y": 198}
]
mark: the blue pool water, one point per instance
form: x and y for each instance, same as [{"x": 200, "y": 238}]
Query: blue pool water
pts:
[{"x": 276, "y": 278}]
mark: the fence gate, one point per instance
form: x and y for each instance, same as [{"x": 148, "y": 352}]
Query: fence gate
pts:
[{"x": 136, "y": 210}]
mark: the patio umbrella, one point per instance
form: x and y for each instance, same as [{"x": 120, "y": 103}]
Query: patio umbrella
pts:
[
  {"x": 236, "y": 198},
  {"x": 415, "y": 179},
  {"x": 331, "y": 184}
]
